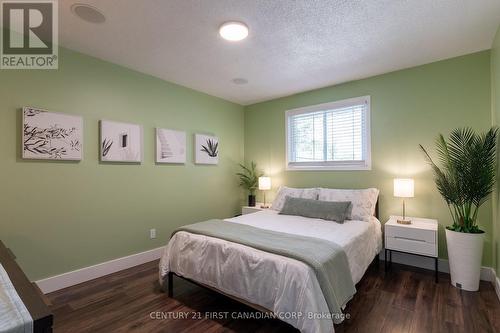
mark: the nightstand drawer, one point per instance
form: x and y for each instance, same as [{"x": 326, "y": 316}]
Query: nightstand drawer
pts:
[
  {"x": 423, "y": 235},
  {"x": 411, "y": 245},
  {"x": 249, "y": 210},
  {"x": 253, "y": 209}
]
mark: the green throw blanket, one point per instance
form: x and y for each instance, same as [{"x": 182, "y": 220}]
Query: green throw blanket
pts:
[{"x": 327, "y": 259}]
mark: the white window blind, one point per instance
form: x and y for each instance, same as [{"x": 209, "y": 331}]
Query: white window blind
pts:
[{"x": 333, "y": 136}]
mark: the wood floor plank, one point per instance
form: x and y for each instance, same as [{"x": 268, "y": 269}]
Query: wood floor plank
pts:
[
  {"x": 425, "y": 307},
  {"x": 404, "y": 300}
]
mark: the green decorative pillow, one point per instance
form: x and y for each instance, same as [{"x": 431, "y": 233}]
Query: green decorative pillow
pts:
[{"x": 337, "y": 211}]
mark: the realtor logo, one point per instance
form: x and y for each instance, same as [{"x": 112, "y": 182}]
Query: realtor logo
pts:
[{"x": 29, "y": 34}]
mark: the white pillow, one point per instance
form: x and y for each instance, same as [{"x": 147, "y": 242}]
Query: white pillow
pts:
[
  {"x": 283, "y": 192},
  {"x": 363, "y": 201}
]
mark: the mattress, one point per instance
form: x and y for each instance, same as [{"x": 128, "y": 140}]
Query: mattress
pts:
[{"x": 286, "y": 286}]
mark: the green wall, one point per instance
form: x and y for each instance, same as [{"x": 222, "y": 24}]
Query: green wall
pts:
[
  {"x": 60, "y": 216},
  {"x": 495, "y": 103},
  {"x": 408, "y": 108}
]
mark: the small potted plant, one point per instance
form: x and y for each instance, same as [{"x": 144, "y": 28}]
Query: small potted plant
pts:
[
  {"x": 465, "y": 180},
  {"x": 249, "y": 180}
]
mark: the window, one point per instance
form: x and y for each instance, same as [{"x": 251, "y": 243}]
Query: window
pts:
[{"x": 331, "y": 136}]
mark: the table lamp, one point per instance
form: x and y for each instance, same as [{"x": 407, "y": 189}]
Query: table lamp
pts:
[
  {"x": 264, "y": 185},
  {"x": 404, "y": 188}
]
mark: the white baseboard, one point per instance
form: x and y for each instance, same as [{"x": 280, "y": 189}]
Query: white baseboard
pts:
[
  {"x": 72, "y": 278},
  {"x": 496, "y": 284},
  {"x": 487, "y": 273}
]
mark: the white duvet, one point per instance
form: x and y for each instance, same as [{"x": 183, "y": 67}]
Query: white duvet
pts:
[{"x": 286, "y": 286}]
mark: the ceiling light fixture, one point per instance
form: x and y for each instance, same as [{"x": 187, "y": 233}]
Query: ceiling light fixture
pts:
[
  {"x": 233, "y": 31},
  {"x": 88, "y": 13}
]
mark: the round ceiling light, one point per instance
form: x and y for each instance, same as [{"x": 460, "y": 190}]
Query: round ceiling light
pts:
[
  {"x": 88, "y": 13},
  {"x": 233, "y": 31}
]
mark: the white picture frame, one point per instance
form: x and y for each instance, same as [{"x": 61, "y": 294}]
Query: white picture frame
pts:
[
  {"x": 51, "y": 136},
  {"x": 170, "y": 146},
  {"x": 120, "y": 142},
  {"x": 206, "y": 149}
]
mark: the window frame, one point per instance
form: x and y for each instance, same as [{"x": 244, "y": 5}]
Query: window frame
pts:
[{"x": 366, "y": 164}]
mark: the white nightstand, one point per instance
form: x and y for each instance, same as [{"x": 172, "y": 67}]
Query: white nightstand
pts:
[
  {"x": 249, "y": 210},
  {"x": 419, "y": 238}
]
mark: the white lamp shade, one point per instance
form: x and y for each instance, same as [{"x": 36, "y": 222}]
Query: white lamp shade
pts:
[
  {"x": 264, "y": 183},
  {"x": 404, "y": 187}
]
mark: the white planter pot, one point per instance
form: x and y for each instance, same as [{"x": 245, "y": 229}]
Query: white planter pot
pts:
[{"x": 465, "y": 252}]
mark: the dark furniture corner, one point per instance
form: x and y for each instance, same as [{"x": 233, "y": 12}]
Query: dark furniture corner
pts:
[{"x": 29, "y": 293}]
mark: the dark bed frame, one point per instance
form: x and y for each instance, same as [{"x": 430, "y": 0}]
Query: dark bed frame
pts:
[
  {"x": 170, "y": 282},
  {"x": 28, "y": 292}
]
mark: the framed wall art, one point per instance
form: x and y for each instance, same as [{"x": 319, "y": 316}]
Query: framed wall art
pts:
[
  {"x": 121, "y": 142},
  {"x": 51, "y": 136}
]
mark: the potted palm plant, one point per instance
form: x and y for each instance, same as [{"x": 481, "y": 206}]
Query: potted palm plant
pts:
[
  {"x": 465, "y": 179},
  {"x": 249, "y": 180}
]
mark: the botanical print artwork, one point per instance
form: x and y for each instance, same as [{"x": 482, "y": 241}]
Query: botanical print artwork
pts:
[
  {"x": 51, "y": 136},
  {"x": 170, "y": 146},
  {"x": 121, "y": 142},
  {"x": 206, "y": 149}
]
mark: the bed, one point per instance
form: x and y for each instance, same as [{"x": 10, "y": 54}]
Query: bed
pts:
[
  {"x": 26, "y": 309},
  {"x": 267, "y": 281}
]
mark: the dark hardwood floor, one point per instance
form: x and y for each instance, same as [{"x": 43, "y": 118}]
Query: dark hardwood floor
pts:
[{"x": 404, "y": 300}]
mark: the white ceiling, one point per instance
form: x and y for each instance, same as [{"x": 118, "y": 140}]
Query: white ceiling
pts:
[{"x": 293, "y": 46}]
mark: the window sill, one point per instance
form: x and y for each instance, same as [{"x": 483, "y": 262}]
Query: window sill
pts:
[{"x": 329, "y": 168}]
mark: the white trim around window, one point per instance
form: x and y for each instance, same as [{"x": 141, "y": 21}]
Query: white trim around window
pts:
[{"x": 313, "y": 135}]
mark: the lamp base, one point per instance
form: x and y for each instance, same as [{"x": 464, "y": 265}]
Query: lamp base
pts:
[
  {"x": 264, "y": 206},
  {"x": 404, "y": 221}
]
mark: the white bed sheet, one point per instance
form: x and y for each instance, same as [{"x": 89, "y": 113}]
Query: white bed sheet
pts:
[{"x": 286, "y": 286}]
